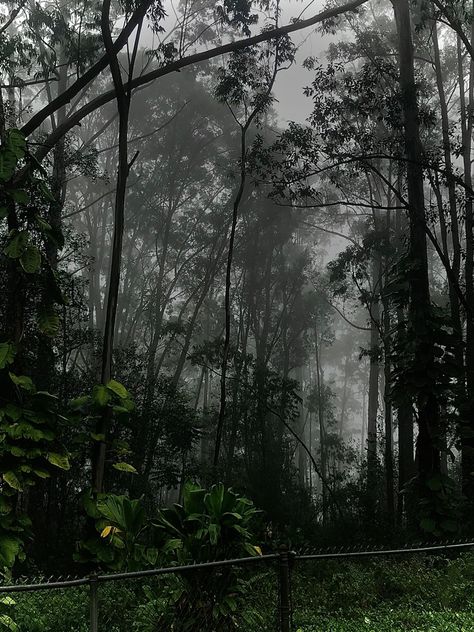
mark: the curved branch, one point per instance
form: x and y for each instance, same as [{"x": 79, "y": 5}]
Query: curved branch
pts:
[
  {"x": 75, "y": 118},
  {"x": 345, "y": 318},
  {"x": 65, "y": 97}
]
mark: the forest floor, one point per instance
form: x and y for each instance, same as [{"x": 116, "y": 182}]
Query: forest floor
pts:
[
  {"x": 392, "y": 621},
  {"x": 420, "y": 594}
]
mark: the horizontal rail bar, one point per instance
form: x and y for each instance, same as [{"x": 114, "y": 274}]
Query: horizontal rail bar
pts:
[
  {"x": 381, "y": 552},
  {"x": 136, "y": 574},
  {"x": 12, "y": 588},
  {"x": 190, "y": 567},
  {"x": 44, "y": 586}
]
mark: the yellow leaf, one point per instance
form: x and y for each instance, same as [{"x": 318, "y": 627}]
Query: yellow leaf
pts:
[
  {"x": 107, "y": 531},
  {"x": 258, "y": 549}
]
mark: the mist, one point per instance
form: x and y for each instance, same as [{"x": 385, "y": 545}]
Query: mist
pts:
[{"x": 237, "y": 258}]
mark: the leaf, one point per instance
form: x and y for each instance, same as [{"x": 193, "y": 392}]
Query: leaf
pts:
[
  {"x": 79, "y": 402},
  {"x": 7, "y": 622},
  {"x": 213, "y": 500},
  {"x": 13, "y": 411},
  {"x": 17, "y": 244},
  {"x": 7, "y": 354},
  {"x": 152, "y": 555},
  {"x": 17, "y": 451},
  {"x": 428, "y": 524},
  {"x": 19, "y": 195},
  {"x": 59, "y": 460},
  {"x": 5, "y": 506},
  {"x": 23, "y": 381},
  {"x": 90, "y": 505},
  {"x": 7, "y": 601},
  {"x": 125, "y": 467},
  {"x": 8, "y": 164},
  {"x": 100, "y": 395},
  {"x": 46, "y": 192},
  {"x": 173, "y": 544},
  {"x": 43, "y": 224},
  {"x": 11, "y": 479},
  {"x": 9, "y": 549},
  {"x": 30, "y": 260},
  {"x": 258, "y": 549},
  {"x": 118, "y": 389},
  {"x": 214, "y": 532},
  {"x": 435, "y": 483},
  {"x": 98, "y": 437},
  {"x": 48, "y": 321},
  {"x": 16, "y": 143},
  {"x": 3, "y": 212},
  {"x": 107, "y": 531}
]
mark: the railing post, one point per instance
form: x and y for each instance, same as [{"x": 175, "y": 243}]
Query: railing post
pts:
[
  {"x": 94, "y": 603},
  {"x": 285, "y": 590}
]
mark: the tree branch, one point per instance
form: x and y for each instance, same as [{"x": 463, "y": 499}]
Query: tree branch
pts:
[{"x": 75, "y": 118}]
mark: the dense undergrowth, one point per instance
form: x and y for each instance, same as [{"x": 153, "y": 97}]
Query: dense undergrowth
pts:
[{"x": 422, "y": 594}]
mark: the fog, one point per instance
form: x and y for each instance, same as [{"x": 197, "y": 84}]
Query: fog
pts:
[{"x": 248, "y": 265}]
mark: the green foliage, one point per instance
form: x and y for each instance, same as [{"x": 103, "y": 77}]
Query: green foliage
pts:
[
  {"x": 30, "y": 450},
  {"x": 23, "y": 199},
  {"x": 121, "y": 523},
  {"x": 208, "y": 525},
  {"x": 86, "y": 410},
  {"x": 429, "y": 594},
  {"x": 211, "y": 524},
  {"x": 11, "y": 153},
  {"x": 426, "y": 594},
  {"x": 6, "y": 621},
  {"x": 112, "y": 395}
]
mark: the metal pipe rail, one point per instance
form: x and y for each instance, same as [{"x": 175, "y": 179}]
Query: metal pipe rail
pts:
[
  {"x": 151, "y": 572},
  {"x": 380, "y": 552}
]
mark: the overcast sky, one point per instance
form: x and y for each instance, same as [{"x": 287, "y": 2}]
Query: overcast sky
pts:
[{"x": 292, "y": 104}]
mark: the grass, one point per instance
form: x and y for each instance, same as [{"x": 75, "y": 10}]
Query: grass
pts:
[
  {"x": 393, "y": 620},
  {"x": 420, "y": 594}
]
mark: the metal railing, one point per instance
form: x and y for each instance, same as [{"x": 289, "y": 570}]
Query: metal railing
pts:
[{"x": 186, "y": 598}]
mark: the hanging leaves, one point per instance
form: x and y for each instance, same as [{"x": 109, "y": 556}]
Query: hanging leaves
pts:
[
  {"x": 17, "y": 244},
  {"x": 48, "y": 321},
  {"x": 31, "y": 259}
]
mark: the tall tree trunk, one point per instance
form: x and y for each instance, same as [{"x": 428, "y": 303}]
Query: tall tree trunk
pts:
[
  {"x": 322, "y": 427},
  {"x": 420, "y": 316},
  {"x": 374, "y": 374},
  {"x": 123, "y": 97},
  {"x": 452, "y": 202},
  {"x": 342, "y": 418},
  {"x": 467, "y": 427},
  {"x": 301, "y": 453},
  {"x": 227, "y": 305},
  {"x": 388, "y": 449}
]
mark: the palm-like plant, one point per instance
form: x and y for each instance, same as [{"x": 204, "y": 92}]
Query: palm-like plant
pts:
[{"x": 209, "y": 525}]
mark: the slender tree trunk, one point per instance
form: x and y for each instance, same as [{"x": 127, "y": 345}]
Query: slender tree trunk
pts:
[
  {"x": 123, "y": 105},
  {"x": 388, "y": 449},
  {"x": 322, "y": 428},
  {"x": 452, "y": 202},
  {"x": 467, "y": 427},
  {"x": 227, "y": 305},
  {"x": 301, "y": 454},
  {"x": 374, "y": 374},
  {"x": 419, "y": 302},
  {"x": 342, "y": 418}
]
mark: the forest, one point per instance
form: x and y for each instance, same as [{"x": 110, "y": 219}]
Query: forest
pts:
[{"x": 237, "y": 281}]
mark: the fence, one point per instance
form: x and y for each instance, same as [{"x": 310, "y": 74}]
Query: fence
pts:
[{"x": 427, "y": 589}]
